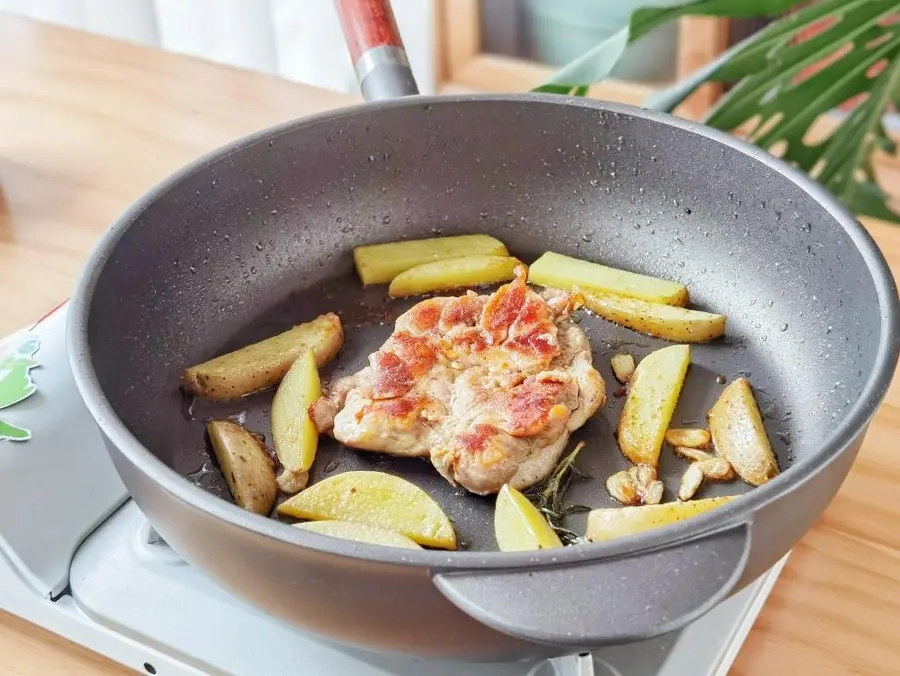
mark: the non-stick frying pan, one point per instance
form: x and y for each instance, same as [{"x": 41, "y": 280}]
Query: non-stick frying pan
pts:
[{"x": 257, "y": 236}]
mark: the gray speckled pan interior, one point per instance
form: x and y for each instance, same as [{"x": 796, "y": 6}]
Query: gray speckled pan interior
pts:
[{"x": 260, "y": 240}]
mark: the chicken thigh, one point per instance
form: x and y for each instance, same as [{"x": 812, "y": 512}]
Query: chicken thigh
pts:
[{"x": 488, "y": 387}]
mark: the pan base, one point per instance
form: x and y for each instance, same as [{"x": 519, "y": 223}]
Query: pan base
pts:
[
  {"x": 369, "y": 317},
  {"x": 118, "y": 577}
]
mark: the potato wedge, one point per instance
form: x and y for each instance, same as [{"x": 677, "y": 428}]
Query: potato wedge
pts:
[
  {"x": 377, "y": 499},
  {"x": 245, "y": 464},
  {"x": 359, "y": 532},
  {"x": 738, "y": 435},
  {"x": 656, "y": 319},
  {"x": 562, "y": 272},
  {"x": 453, "y": 273},
  {"x": 293, "y": 433},
  {"x": 616, "y": 522},
  {"x": 263, "y": 364},
  {"x": 380, "y": 263},
  {"x": 519, "y": 525},
  {"x": 653, "y": 393}
]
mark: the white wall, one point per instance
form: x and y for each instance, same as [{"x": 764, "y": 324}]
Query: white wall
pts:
[{"x": 297, "y": 39}]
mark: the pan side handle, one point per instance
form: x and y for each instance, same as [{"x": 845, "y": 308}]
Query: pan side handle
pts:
[
  {"x": 606, "y": 601},
  {"x": 376, "y": 48}
]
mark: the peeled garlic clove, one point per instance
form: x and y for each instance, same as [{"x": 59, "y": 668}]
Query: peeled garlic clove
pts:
[
  {"x": 621, "y": 486},
  {"x": 690, "y": 482},
  {"x": 693, "y": 454},
  {"x": 292, "y": 480},
  {"x": 691, "y": 437},
  {"x": 654, "y": 494},
  {"x": 642, "y": 475},
  {"x": 717, "y": 469},
  {"x": 623, "y": 367}
]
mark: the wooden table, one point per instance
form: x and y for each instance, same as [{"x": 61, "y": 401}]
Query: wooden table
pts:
[{"x": 87, "y": 124}]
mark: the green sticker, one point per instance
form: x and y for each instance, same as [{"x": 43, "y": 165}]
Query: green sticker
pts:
[{"x": 16, "y": 361}]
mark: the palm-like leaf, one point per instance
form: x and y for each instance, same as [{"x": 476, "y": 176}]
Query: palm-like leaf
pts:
[{"x": 857, "y": 52}]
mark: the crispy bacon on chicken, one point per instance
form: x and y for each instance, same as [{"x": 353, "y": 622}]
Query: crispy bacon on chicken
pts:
[{"x": 489, "y": 387}]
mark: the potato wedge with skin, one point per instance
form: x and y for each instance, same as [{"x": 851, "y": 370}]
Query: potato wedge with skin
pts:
[
  {"x": 656, "y": 319},
  {"x": 376, "y": 499},
  {"x": 261, "y": 365},
  {"x": 453, "y": 273},
  {"x": 616, "y": 522},
  {"x": 380, "y": 263},
  {"x": 294, "y": 435},
  {"x": 519, "y": 525},
  {"x": 653, "y": 393},
  {"x": 562, "y": 272},
  {"x": 359, "y": 532},
  {"x": 738, "y": 434},
  {"x": 245, "y": 464}
]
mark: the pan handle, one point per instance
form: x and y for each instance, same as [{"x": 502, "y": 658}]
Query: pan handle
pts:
[
  {"x": 605, "y": 601},
  {"x": 376, "y": 48}
]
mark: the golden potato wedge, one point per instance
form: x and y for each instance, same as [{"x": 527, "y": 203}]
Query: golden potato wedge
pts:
[
  {"x": 519, "y": 525},
  {"x": 655, "y": 319},
  {"x": 377, "y": 499},
  {"x": 453, "y": 273},
  {"x": 380, "y": 263},
  {"x": 562, "y": 272},
  {"x": 738, "y": 435},
  {"x": 653, "y": 393},
  {"x": 359, "y": 532},
  {"x": 245, "y": 464},
  {"x": 293, "y": 433},
  {"x": 616, "y": 522},
  {"x": 263, "y": 364}
]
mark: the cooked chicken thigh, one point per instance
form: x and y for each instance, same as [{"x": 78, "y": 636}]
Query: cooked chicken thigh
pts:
[{"x": 488, "y": 387}]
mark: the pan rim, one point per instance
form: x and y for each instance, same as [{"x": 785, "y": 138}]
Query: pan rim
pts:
[{"x": 854, "y": 421}]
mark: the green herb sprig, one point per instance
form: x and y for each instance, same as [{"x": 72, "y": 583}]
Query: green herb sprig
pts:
[{"x": 548, "y": 496}]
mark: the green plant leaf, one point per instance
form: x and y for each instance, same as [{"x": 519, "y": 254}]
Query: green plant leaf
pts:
[
  {"x": 596, "y": 64},
  {"x": 646, "y": 19},
  {"x": 10, "y": 432},
  {"x": 780, "y": 105},
  {"x": 592, "y": 67},
  {"x": 16, "y": 362}
]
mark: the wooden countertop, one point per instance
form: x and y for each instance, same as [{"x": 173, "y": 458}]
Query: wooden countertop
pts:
[{"x": 87, "y": 124}]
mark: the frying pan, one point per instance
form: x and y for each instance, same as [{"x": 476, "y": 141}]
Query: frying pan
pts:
[{"x": 257, "y": 236}]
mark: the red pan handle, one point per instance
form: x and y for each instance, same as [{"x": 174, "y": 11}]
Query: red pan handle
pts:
[{"x": 376, "y": 48}]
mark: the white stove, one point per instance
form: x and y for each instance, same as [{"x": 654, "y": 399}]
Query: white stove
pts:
[{"x": 79, "y": 559}]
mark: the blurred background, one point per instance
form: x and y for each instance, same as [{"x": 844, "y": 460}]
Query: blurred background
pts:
[{"x": 454, "y": 45}]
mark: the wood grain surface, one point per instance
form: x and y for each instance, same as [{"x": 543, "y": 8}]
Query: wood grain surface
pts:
[{"x": 87, "y": 124}]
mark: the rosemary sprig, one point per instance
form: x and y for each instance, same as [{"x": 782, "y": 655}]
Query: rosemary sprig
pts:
[{"x": 548, "y": 495}]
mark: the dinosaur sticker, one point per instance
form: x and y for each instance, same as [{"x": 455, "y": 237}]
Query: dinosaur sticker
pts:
[{"x": 16, "y": 361}]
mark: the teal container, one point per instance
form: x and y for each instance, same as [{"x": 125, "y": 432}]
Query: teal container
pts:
[{"x": 563, "y": 30}]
